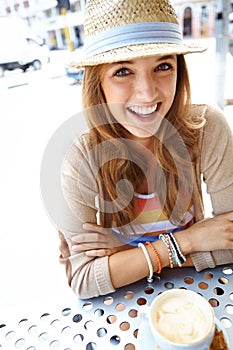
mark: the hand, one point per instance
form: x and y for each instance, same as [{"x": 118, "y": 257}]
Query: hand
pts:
[
  {"x": 208, "y": 235},
  {"x": 97, "y": 241}
]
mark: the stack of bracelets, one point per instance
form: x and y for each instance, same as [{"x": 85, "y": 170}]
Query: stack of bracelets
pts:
[{"x": 175, "y": 255}]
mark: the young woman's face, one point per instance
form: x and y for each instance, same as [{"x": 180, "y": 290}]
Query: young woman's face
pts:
[{"x": 140, "y": 92}]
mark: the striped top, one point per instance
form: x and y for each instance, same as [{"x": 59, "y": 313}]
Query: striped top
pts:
[{"x": 150, "y": 221}]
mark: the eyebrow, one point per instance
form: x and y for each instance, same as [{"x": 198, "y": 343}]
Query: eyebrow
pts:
[
  {"x": 160, "y": 58},
  {"x": 167, "y": 57}
]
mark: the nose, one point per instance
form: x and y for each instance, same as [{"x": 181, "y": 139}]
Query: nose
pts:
[{"x": 145, "y": 88}]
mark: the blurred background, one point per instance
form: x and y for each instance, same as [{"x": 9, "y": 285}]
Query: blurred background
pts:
[{"x": 39, "y": 92}]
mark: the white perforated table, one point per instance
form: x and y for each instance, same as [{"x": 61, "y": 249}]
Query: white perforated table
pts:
[{"x": 112, "y": 321}]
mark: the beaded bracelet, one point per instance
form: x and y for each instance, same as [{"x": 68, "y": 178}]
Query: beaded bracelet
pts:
[
  {"x": 166, "y": 241},
  {"x": 157, "y": 257},
  {"x": 174, "y": 252},
  {"x": 150, "y": 277}
]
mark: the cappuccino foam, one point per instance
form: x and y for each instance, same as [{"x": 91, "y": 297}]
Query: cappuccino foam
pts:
[{"x": 181, "y": 321}]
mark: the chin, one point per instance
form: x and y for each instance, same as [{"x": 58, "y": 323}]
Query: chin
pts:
[{"x": 145, "y": 132}]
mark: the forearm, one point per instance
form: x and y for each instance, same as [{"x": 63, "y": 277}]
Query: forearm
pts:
[{"x": 130, "y": 266}]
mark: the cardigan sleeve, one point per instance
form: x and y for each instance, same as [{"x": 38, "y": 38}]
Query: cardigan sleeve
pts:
[
  {"x": 87, "y": 276},
  {"x": 217, "y": 170},
  {"x": 217, "y": 160}
]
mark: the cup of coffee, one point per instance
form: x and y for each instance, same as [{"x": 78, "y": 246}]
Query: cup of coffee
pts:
[{"x": 181, "y": 320}]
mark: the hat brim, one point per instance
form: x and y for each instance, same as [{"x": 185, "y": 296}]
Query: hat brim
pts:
[{"x": 136, "y": 51}]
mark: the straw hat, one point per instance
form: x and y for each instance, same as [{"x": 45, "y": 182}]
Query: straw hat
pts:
[{"x": 117, "y": 30}]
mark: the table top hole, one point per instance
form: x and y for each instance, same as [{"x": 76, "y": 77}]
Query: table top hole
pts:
[
  {"x": 99, "y": 312},
  {"x": 141, "y": 301},
  {"x": 203, "y": 285},
  {"x": 77, "y": 318},
  {"x": 169, "y": 285},
  {"x": 91, "y": 346},
  {"x": 129, "y": 295},
  {"x": 10, "y": 335},
  {"x": 55, "y": 323},
  {"x": 55, "y": 344},
  {"x": 149, "y": 290},
  {"x": 89, "y": 324},
  {"x": 87, "y": 306},
  {"x": 20, "y": 342},
  {"x": 188, "y": 280},
  {"x": 101, "y": 332},
  {"x": 43, "y": 336},
  {"x": 133, "y": 313},
  {"x": 44, "y": 316},
  {"x": 23, "y": 322},
  {"x": 226, "y": 322},
  {"x": 223, "y": 280},
  {"x": 32, "y": 329},
  {"x": 218, "y": 291},
  {"x": 214, "y": 302},
  {"x": 208, "y": 275},
  {"x": 229, "y": 309},
  {"x": 111, "y": 319},
  {"x": 115, "y": 340},
  {"x": 120, "y": 307},
  {"x": 108, "y": 300},
  {"x": 129, "y": 347},
  {"x": 78, "y": 338},
  {"x": 66, "y": 330},
  {"x": 125, "y": 326},
  {"x": 227, "y": 270},
  {"x": 66, "y": 311}
]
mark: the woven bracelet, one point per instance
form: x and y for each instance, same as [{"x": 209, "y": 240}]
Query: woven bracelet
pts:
[
  {"x": 176, "y": 245},
  {"x": 175, "y": 255},
  {"x": 157, "y": 257}
]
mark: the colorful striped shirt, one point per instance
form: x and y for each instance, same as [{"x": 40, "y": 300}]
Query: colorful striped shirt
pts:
[{"x": 150, "y": 221}]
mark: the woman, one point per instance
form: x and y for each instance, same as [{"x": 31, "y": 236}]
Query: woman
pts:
[{"x": 134, "y": 179}]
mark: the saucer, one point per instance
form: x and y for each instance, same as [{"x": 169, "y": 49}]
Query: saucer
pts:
[{"x": 146, "y": 339}]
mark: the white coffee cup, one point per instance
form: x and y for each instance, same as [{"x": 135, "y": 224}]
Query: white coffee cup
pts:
[{"x": 181, "y": 320}]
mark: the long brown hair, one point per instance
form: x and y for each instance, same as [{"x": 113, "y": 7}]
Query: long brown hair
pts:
[{"x": 174, "y": 148}]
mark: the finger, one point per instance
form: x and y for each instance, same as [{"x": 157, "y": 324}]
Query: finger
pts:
[
  {"x": 96, "y": 228},
  {"x": 85, "y": 247},
  {"x": 98, "y": 252},
  {"x": 89, "y": 238}
]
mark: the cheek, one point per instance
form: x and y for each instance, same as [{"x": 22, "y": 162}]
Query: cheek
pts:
[
  {"x": 117, "y": 110},
  {"x": 114, "y": 93},
  {"x": 169, "y": 88}
]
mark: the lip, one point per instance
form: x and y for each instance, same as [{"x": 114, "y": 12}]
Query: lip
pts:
[{"x": 146, "y": 118}]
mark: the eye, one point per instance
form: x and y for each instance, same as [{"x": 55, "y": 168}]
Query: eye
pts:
[
  {"x": 122, "y": 72},
  {"x": 163, "y": 67}
]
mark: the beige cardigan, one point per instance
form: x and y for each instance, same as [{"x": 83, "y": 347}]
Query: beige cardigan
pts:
[{"x": 90, "y": 277}]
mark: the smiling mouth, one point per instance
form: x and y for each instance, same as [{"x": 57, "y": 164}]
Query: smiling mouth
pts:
[{"x": 144, "y": 111}]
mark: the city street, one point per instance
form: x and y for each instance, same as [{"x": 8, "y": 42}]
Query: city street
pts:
[{"x": 33, "y": 105}]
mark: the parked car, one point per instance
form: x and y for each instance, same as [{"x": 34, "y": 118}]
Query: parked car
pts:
[
  {"x": 72, "y": 72},
  {"x": 20, "y": 48}
]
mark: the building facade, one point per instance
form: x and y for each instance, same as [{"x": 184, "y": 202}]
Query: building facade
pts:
[
  {"x": 65, "y": 29},
  {"x": 197, "y": 17},
  {"x": 59, "y": 29}
]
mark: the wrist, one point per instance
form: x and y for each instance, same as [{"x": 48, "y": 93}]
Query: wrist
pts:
[{"x": 184, "y": 240}]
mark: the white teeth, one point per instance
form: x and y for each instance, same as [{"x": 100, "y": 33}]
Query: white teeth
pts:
[{"x": 143, "y": 110}]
